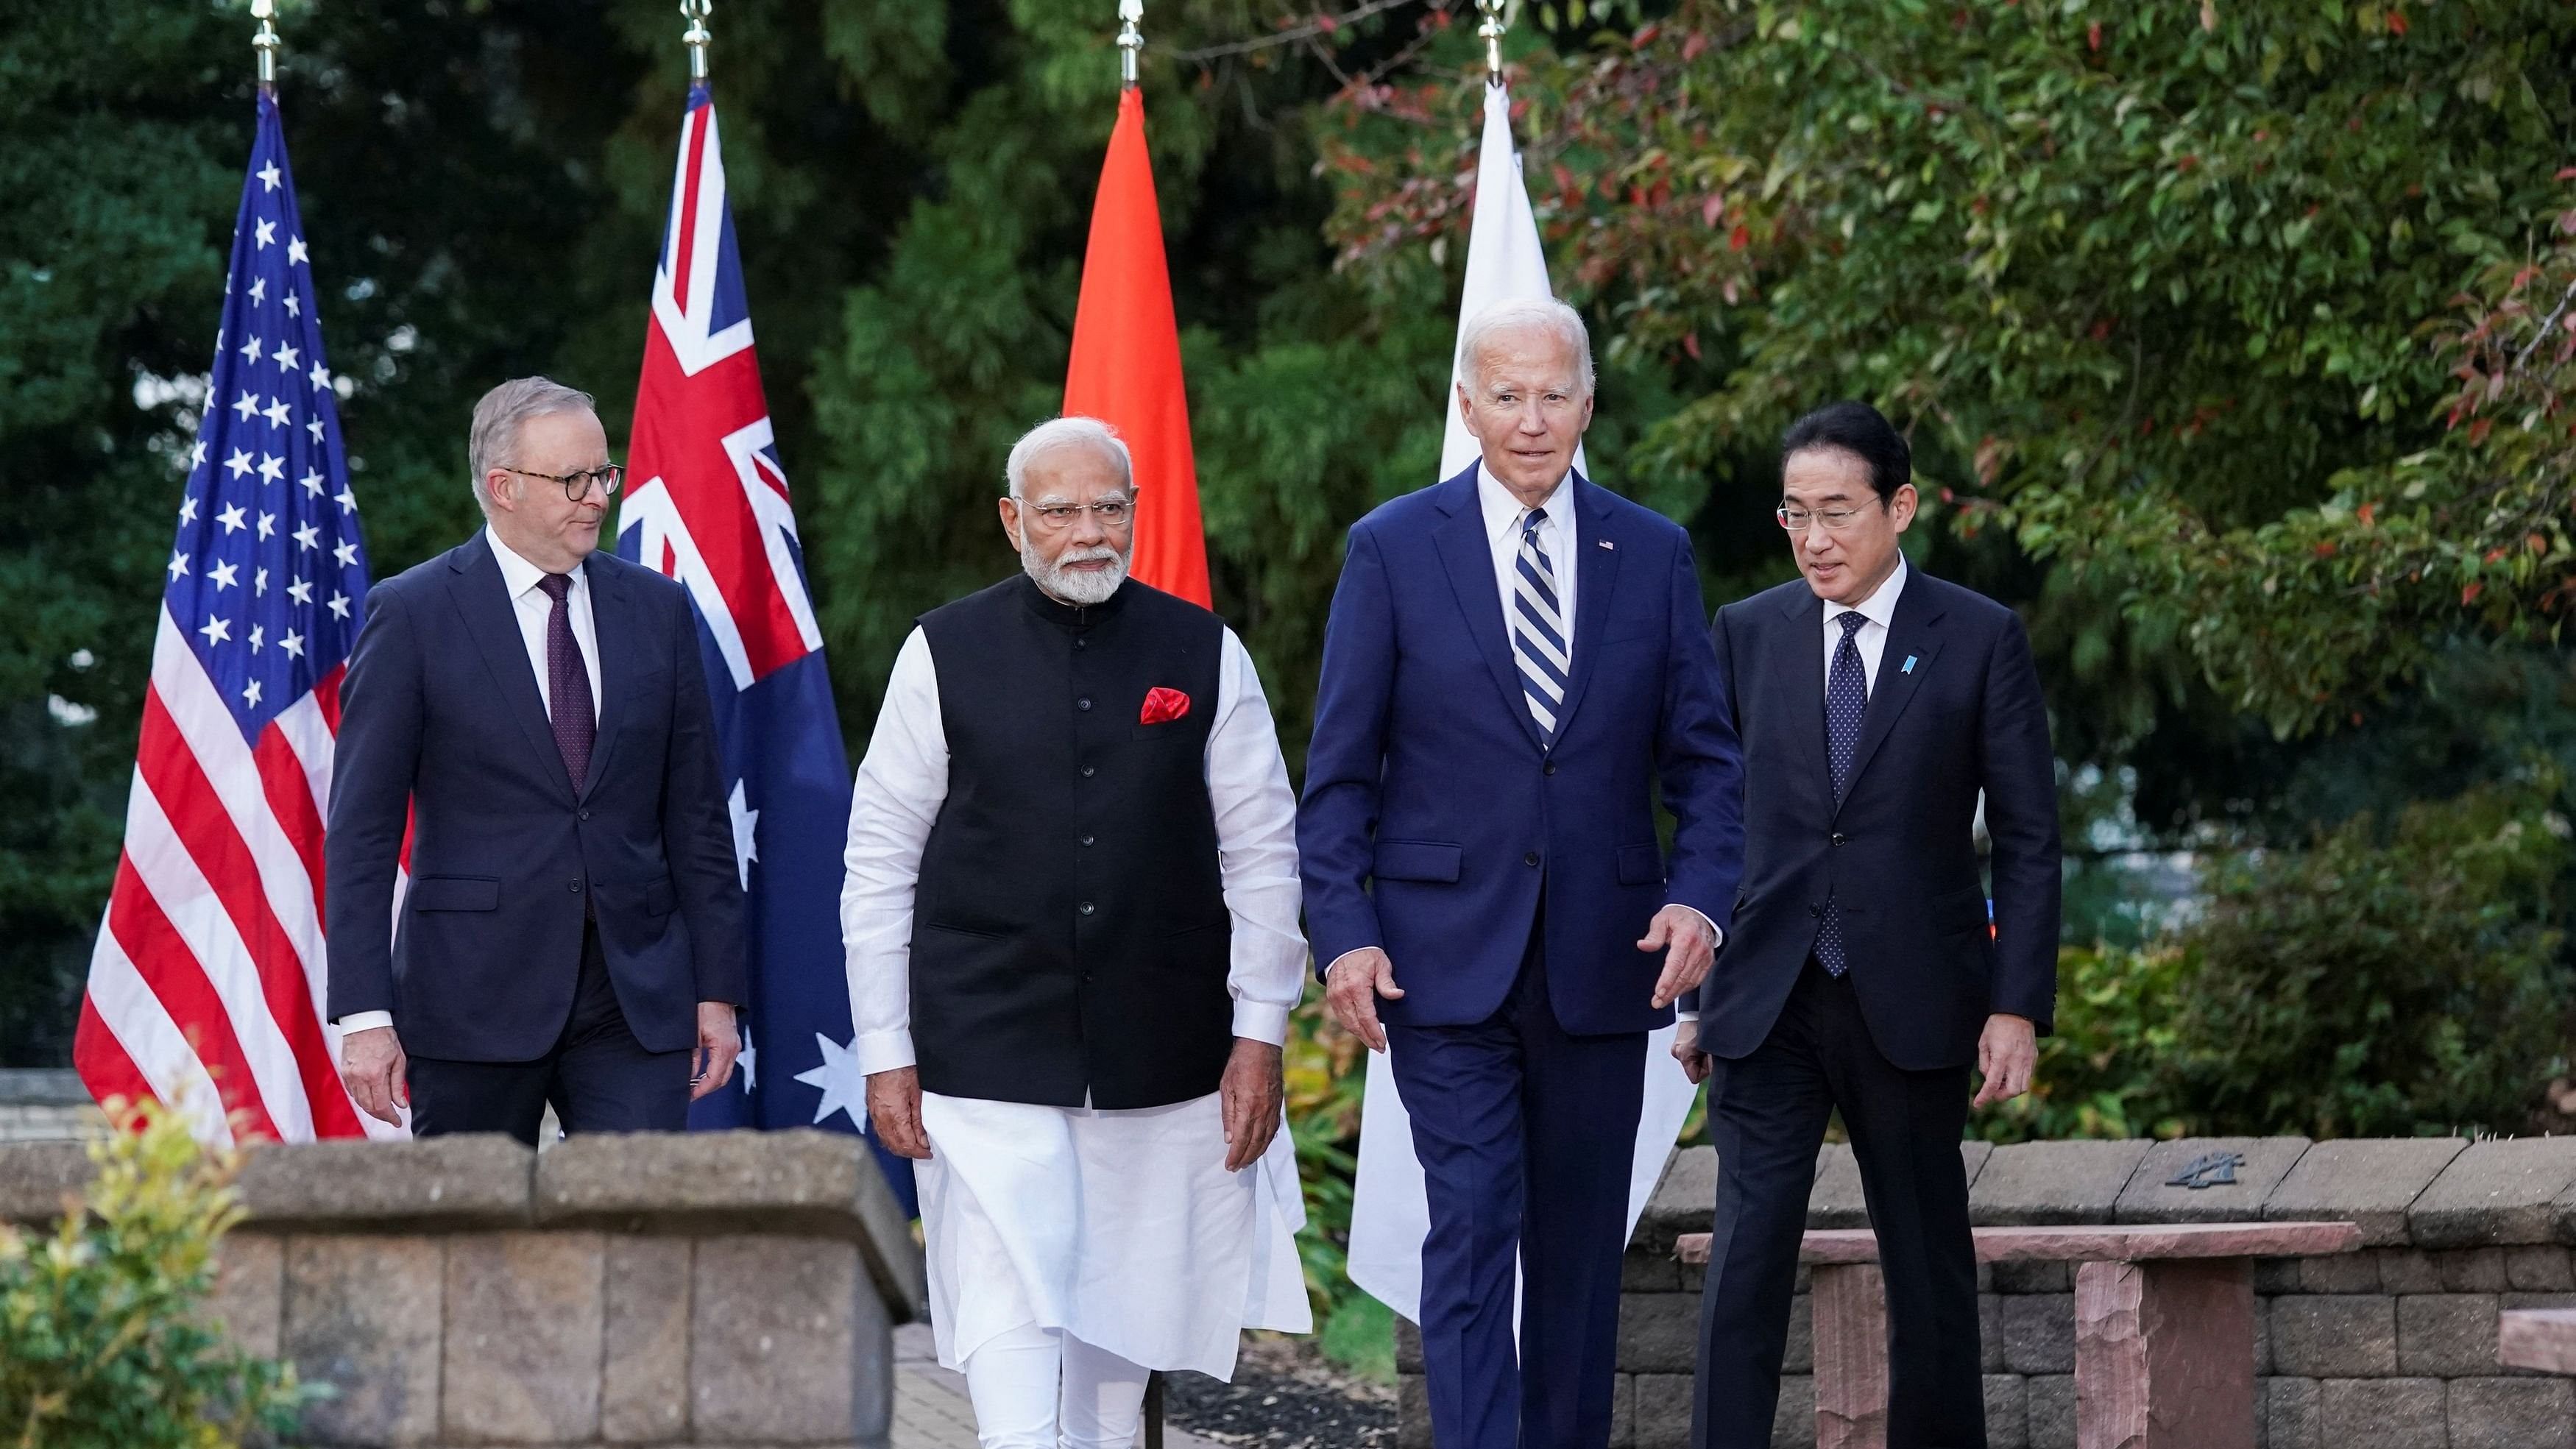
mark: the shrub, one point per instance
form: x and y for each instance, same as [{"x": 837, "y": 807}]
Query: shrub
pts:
[{"x": 102, "y": 1345}]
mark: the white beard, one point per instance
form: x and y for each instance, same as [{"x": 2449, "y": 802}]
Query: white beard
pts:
[{"x": 1084, "y": 588}]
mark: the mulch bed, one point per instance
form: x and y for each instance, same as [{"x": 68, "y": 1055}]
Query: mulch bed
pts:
[{"x": 1285, "y": 1395}]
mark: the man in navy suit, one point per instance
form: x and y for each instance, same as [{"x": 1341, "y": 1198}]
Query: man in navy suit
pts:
[
  {"x": 1876, "y": 704},
  {"x": 1514, "y": 662},
  {"x": 538, "y": 710}
]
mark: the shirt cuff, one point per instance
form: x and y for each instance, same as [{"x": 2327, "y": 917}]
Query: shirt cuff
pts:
[
  {"x": 1262, "y": 1021},
  {"x": 365, "y": 1021},
  {"x": 1681, "y": 1015},
  {"x": 882, "y": 1051}
]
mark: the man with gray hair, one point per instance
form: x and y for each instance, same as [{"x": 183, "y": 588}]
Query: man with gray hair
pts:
[
  {"x": 536, "y": 712},
  {"x": 1071, "y": 925},
  {"x": 1516, "y": 668}
]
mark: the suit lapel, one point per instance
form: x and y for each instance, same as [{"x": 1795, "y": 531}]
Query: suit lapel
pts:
[
  {"x": 613, "y": 626},
  {"x": 1596, "y": 573},
  {"x": 1912, "y": 634},
  {"x": 1804, "y": 686},
  {"x": 1468, "y": 558},
  {"x": 483, "y": 599}
]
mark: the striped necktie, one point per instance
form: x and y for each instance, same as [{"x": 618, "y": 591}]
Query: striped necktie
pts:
[{"x": 1538, "y": 628}]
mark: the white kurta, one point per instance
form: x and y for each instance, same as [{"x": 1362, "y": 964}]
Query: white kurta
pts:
[{"x": 1122, "y": 1228}]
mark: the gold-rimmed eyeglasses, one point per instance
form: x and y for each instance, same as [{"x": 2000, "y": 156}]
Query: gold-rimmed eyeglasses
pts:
[
  {"x": 1835, "y": 520},
  {"x": 1113, "y": 513}
]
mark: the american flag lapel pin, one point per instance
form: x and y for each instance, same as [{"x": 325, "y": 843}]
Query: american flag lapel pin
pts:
[{"x": 1605, "y": 543}]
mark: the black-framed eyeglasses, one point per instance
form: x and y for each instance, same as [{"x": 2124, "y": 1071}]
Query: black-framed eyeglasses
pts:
[{"x": 576, "y": 486}]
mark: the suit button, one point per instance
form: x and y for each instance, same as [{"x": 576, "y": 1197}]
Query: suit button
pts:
[
  {"x": 585, "y": 815},
  {"x": 1530, "y": 859},
  {"x": 1083, "y": 703},
  {"x": 1087, "y": 840},
  {"x": 1841, "y": 839},
  {"x": 1086, "y": 772},
  {"x": 576, "y": 885},
  {"x": 1548, "y": 769},
  {"x": 1081, "y": 643},
  {"x": 1816, "y": 910},
  {"x": 1085, "y": 908}
]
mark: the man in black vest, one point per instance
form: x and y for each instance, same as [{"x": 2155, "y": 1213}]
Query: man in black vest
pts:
[
  {"x": 1876, "y": 704},
  {"x": 1071, "y": 922}
]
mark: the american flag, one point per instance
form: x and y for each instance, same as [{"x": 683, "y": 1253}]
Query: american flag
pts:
[
  {"x": 710, "y": 508},
  {"x": 205, "y": 988}
]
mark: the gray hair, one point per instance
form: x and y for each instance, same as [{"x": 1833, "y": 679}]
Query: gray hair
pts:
[
  {"x": 1056, "y": 433},
  {"x": 1524, "y": 314},
  {"x": 500, "y": 415}
]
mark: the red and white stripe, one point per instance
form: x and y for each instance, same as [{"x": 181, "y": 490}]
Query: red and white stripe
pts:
[{"x": 206, "y": 986}]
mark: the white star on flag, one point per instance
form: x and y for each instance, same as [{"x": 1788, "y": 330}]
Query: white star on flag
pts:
[
  {"x": 258, "y": 634},
  {"x": 301, "y": 592},
  {"x": 248, "y": 406},
  {"x": 223, "y": 575},
  {"x": 258, "y": 294},
  {"x": 284, "y": 357},
  {"x": 339, "y": 605},
  {"x": 312, "y": 482},
  {"x": 178, "y": 563},
  {"x": 294, "y": 304},
  {"x": 346, "y": 552},
  {"x": 217, "y": 629},
  {"x": 308, "y": 537},
  {"x": 320, "y": 377},
  {"x": 239, "y": 462},
  {"x": 746, "y": 828},
  {"x": 188, "y": 508},
  {"x": 277, "y": 412},
  {"x": 347, "y": 500},
  {"x": 295, "y": 252},
  {"x": 268, "y": 176},
  {"x": 749, "y": 1062},
  {"x": 230, "y": 518},
  {"x": 271, "y": 469},
  {"x": 315, "y": 428},
  {"x": 250, "y": 349},
  {"x": 259, "y": 580},
  {"x": 293, "y": 644},
  {"x": 267, "y": 526},
  {"x": 267, "y": 233},
  {"x": 843, "y": 1089},
  {"x": 250, "y": 694},
  {"x": 197, "y": 455}
]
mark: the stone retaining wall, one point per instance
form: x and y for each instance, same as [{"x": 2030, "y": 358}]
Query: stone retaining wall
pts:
[
  {"x": 712, "y": 1289},
  {"x": 2390, "y": 1348},
  {"x": 46, "y": 1106}
]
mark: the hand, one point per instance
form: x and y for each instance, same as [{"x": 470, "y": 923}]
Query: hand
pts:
[
  {"x": 2006, "y": 1052},
  {"x": 376, "y": 1072},
  {"x": 1686, "y": 1051},
  {"x": 718, "y": 1045},
  {"x": 1352, "y": 986},
  {"x": 1682, "y": 934},
  {"x": 1251, "y": 1092},
  {"x": 894, "y": 1109}
]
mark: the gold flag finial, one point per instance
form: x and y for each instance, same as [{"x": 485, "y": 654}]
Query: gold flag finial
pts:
[
  {"x": 1492, "y": 31},
  {"x": 266, "y": 41},
  {"x": 1131, "y": 40},
  {"x": 696, "y": 36}
]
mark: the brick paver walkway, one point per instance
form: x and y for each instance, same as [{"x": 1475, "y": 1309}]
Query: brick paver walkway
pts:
[{"x": 930, "y": 1407}]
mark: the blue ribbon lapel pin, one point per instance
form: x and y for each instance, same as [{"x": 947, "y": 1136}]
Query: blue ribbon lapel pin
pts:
[{"x": 1909, "y": 665}]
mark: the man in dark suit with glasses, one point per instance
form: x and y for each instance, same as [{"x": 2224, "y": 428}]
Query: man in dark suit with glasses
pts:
[
  {"x": 1879, "y": 707},
  {"x": 537, "y": 712}
]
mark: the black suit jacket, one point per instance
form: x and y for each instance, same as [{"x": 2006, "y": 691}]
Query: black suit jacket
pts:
[
  {"x": 440, "y": 713},
  {"x": 1899, "y": 850}
]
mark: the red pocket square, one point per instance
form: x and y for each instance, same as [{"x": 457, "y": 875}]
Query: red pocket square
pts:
[{"x": 1162, "y": 706}]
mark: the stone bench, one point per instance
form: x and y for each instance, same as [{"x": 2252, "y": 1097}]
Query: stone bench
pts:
[
  {"x": 2164, "y": 1325},
  {"x": 2538, "y": 1338}
]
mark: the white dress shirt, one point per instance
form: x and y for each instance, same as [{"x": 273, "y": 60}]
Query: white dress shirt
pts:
[
  {"x": 1878, "y": 608},
  {"x": 533, "y": 608},
  {"x": 904, "y": 780},
  {"x": 1503, "y": 513}
]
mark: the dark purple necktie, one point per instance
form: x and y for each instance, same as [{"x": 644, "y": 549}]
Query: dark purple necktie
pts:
[
  {"x": 1846, "y": 700},
  {"x": 568, "y": 699}
]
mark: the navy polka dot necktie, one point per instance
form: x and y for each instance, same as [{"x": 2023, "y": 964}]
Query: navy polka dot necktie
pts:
[{"x": 1846, "y": 700}]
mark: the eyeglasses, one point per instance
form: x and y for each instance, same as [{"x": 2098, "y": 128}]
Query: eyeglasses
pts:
[
  {"x": 576, "y": 486},
  {"x": 1835, "y": 520},
  {"x": 1113, "y": 513}
]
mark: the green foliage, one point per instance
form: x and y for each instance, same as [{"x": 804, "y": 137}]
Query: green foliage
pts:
[
  {"x": 101, "y": 1342},
  {"x": 2167, "y": 290},
  {"x": 2390, "y": 980}
]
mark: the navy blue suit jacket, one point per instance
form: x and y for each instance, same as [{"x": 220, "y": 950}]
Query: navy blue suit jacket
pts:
[
  {"x": 1435, "y": 818},
  {"x": 440, "y": 713},
  {"x": 1957, "y": 709}
]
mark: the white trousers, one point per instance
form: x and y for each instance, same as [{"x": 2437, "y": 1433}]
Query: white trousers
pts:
[{"x": 1042, "y": 1388}]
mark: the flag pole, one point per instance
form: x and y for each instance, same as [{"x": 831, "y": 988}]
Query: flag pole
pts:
[
  {"x": 696, "y": 37},
  {"x": 266, "y": 42},
  {"x": 1492, "y": 31},
  {"x": 1131, "y": 40}
]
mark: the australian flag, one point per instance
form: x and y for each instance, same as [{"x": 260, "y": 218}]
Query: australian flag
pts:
[{"x": 710, "y": 508}]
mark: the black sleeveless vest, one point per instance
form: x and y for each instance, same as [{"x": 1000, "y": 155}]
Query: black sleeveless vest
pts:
[{"x": 1070, "y": 939}]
